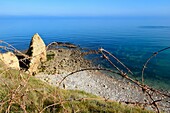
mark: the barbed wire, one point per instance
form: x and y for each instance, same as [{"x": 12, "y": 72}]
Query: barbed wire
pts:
[
  {"x": 148, "y": 60},
  {"x": 19, "y": 93}
]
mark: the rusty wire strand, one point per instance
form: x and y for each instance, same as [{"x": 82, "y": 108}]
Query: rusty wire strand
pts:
[
  {"x": 103, "y": 50},
  {"x": 14, "y": 94},
  {"x": 147, "y": 61}
]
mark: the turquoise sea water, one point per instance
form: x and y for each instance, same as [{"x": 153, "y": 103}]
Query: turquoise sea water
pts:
[{"x": 132, "y": 40}]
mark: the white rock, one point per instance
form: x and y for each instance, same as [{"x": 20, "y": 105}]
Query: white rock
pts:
[
  {"x": 37, "y": 52},
  {"x": 10, "y": 60}
]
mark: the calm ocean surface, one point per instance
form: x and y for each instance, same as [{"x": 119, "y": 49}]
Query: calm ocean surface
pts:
[{"x": 132, "y": 40}]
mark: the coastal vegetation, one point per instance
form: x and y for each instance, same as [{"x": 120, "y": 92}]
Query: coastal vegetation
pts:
[
  {"x": 20, "y": 92},
  {"x": 23, "y": 88}
]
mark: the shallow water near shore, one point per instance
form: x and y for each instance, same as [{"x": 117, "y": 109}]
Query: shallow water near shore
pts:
[{"x": 132, "y": 40}]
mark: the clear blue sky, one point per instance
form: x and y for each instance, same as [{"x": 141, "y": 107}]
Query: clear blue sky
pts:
[{"x": 85, "y": 7}]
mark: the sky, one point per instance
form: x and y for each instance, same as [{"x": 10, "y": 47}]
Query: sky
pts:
[{"x": 85, "y": 7}]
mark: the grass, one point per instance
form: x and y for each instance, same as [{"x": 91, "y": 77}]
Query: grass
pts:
[{"x": 20, "y": 92}]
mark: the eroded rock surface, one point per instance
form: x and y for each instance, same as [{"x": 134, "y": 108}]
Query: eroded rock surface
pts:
[
  {"x": 37, "y": 53},
  {"x": 10, "y": 60},
  {"x": 64, "y": 61}
]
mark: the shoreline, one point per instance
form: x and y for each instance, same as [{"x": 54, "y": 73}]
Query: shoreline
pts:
[
  {"x": 63, "y": 59},
  {"x": 103, "y": 86},
  {"x": 94, "y": 82}
]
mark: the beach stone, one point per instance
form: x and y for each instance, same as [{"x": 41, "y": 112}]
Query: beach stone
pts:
[
  {"x": 37, "y": 52},
  {"x": 10, "y": 60},
  {"x": 105, "y": 86}
]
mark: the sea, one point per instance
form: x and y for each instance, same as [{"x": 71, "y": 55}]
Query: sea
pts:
[{"x": 131, "y": 39}]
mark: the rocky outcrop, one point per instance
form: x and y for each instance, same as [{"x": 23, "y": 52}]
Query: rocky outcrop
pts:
[
  {"x": 10, "y": 60},
  {"x": 37, "y": 53}
]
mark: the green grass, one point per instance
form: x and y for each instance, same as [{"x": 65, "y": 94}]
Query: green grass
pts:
[{"x": 19, "y": 92}]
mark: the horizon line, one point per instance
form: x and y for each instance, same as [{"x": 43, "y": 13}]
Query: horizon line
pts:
[{"x": 90, "y": 16}]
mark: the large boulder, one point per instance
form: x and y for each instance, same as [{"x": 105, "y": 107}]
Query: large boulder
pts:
[
  {"x": 37, "y": 53},
  {"x": 10, "y": 60}
]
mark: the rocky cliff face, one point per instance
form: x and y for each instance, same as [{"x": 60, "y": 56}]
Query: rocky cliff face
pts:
[{"x": 37, "y": 53}]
